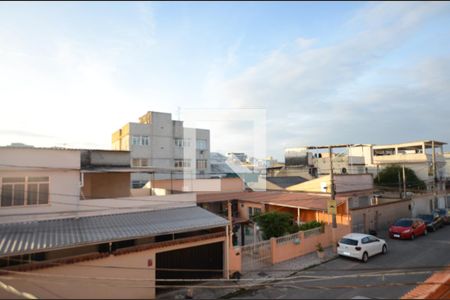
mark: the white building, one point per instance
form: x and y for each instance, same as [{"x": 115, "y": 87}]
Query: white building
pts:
[{"x": 160, "y": 142}]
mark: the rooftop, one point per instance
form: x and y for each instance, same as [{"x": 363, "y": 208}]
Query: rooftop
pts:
[
  {"x": 312, "y": 201},
  {"x": 45, "y": 235}
]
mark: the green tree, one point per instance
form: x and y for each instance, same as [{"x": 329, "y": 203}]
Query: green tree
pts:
[
  {"x": 275, "y": 224},
  {"x": 392, "y": 174}
]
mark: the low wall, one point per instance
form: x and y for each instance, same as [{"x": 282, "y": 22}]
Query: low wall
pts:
[{"x": 285, "y": 248}]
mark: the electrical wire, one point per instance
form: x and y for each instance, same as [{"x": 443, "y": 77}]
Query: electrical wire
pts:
[{"x": 411, "y": 268}]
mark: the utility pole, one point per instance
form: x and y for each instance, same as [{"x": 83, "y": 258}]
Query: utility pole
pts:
[
  {"x": 404, "y": 181},
  {"x": 433, "y": 156},
  {"x": 333, "y": 192},
  {"x": 399, "y": 185}
]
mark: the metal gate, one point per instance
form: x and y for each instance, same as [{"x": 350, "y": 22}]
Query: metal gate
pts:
[{"x": 256, "y": 256}]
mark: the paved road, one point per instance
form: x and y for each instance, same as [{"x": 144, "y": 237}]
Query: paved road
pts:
[{"x": 403, "y": 256}]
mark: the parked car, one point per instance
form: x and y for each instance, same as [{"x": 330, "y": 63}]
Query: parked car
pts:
[
  {"x": 361, "y": 246},
  {"x": 407, "y": 228},
  {"x": 444, "y": 213},
  {"x": 433, "y": 221}
]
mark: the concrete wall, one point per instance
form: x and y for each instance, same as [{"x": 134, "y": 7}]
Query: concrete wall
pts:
[
  {"x": 114, "y": 277},
  {"x": 379, "y": 217},
  {"x": 35, "y": 157},
  {"x": 106, "y": 185},
  {"x": 105, "y": 158},
  {"x": 343, "y": 183},
  {"x": 200, "y": 185}
]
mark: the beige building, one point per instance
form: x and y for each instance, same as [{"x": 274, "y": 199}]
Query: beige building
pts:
[{"x": 160, "y": 142}]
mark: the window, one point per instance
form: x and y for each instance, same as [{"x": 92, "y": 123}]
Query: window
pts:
[
  {"x": 139, "y": 162},
  {"x": 144, "y": 140},
  {"x": 137, "y": 184},
  {"x": 202, "y": 163},
  {"x": 135, "y": 140},
  {"x": 202, "y": 144},
  {"x": 140, "y": 140},
  {"x": 182, "y": 142},
  {"x": 21, "y": 191},
  {"x": 182, "y": 163}
]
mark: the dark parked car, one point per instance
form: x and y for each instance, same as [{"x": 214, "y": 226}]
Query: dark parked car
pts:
[
  {"x": 433, "y": 221},
  {"x": 444, "y": 213}
]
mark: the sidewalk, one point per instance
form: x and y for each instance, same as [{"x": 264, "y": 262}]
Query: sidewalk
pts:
[{"x": 228, "y": 289}]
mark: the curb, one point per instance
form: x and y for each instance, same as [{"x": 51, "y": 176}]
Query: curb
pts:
[{"x": 243, "y": 291}]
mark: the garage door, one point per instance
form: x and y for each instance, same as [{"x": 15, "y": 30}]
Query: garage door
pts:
[{"x": 198, "y": 262}]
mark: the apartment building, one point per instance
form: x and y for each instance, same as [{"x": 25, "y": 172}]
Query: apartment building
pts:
[{"x": 158, "y": 141}]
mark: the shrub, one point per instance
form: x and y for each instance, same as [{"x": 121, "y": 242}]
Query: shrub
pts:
[{"x": 275, "y": 224}]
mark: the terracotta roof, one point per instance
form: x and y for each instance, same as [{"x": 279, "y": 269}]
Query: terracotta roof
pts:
[{"x": 313, "y": 201}]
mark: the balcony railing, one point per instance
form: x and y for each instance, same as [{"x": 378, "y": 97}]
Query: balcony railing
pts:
[{"x": 414, "y": 157}]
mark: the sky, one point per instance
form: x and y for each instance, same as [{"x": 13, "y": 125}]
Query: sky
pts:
[{"x": 72, "y": 73}]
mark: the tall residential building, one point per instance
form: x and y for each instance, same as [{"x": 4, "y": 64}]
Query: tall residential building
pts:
[{"x": 160, "y": 142}]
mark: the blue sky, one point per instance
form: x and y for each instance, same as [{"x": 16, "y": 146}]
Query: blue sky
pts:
[{"x": 331, "y": 72}]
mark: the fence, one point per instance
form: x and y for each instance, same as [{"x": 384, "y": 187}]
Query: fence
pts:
[
  {"x": 311, "y": 232},
  {"x": 288, "y": 238},
  {"x": 256, "y": 256}
]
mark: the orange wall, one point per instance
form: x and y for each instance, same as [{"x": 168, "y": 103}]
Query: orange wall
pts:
[
  {"x": 289, "y": 250},
  {"x": 243, "y": 208},
  {"x": 113, "y": 277}
]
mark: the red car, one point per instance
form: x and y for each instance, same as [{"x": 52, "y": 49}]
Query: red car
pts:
[{"x": 407, "y": 229}]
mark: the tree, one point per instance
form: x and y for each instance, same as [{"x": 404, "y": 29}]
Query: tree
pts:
[
  {"x": 391, "y": 176},
  {"x": 275, "y": 224}
]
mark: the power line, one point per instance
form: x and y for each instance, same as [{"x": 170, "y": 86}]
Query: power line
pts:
[{"x": 412, "y": 268}]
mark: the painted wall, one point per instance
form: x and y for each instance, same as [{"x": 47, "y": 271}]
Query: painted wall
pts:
[
  {"x": 379, "y": 217},
  {"x": 114, "y": 277},
  {"x": 200, "y": 185},
  {"x": 343, "y": 183},
  {"x": 64, "y": 189},
  {"x": 106, "y": 185},
  {"x": 288, "y": 250}
]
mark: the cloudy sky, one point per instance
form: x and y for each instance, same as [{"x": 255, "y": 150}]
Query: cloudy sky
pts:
[{"x": 350, "y": 72}]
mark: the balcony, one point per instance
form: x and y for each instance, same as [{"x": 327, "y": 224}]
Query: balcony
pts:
[{"x": 406, "y": 158}]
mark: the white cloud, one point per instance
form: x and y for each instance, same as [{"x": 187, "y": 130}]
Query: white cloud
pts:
[{"x": 306, "y": 90}]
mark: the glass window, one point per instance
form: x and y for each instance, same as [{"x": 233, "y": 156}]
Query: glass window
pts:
[
  {"x": 135, "y": 140},
  {"x": 351, "y": 242},
  {"x": 201, "y": 144},
  {"x": 38, "y": 179},
  {"x": 24, "y": 191},
  {"x": 32, "y": 197},
  {"x": 43, "y": 193},
  {"x": 7, "y": 194},
  {"x": 145, "y": 141},
  {"x": 19, "y": 194}
]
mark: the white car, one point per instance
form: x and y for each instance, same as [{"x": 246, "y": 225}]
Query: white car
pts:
[{"x": 361, "y": 246}]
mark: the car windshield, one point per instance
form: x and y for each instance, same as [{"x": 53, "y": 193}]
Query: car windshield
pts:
[
  {"x": 426, "y": 217},
  {"x": 349, "y": 242},
  {"x": 403, "y": 223},
  {"x": 441, "y": 212}
]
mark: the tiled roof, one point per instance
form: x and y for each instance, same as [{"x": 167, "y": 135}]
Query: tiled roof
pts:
[
  {"x": 38, "y": 236},
  {"x": 297, "y": 200}
]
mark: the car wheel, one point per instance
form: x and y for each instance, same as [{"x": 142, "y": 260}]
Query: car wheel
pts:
[
  {"x": 365, "y": 257},
  {"x": 425, "y": 232},
  {"x": 384, "y": 249},
  {"x": 413, "y": 236}
]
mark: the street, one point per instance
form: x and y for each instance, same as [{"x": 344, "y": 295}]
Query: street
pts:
[{"x": 383, "y": 276}]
